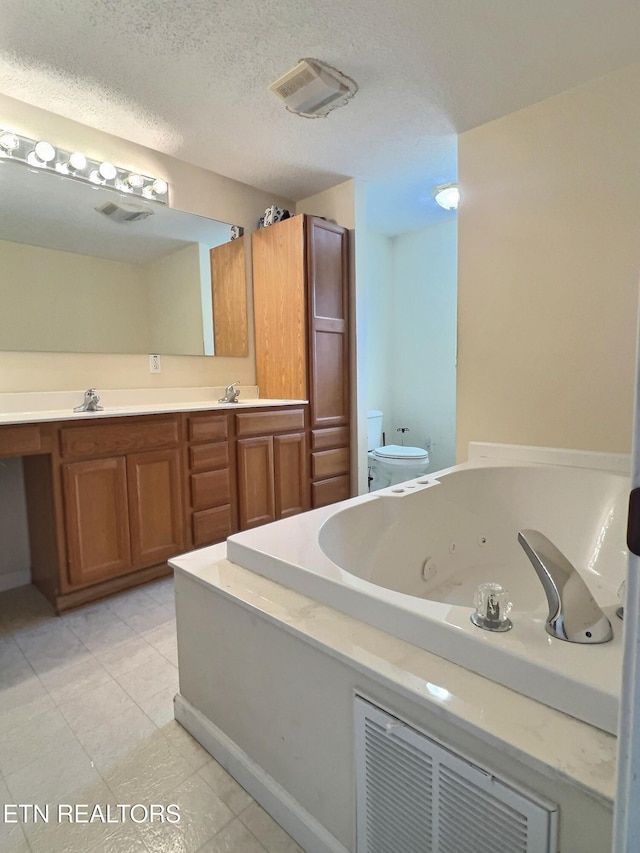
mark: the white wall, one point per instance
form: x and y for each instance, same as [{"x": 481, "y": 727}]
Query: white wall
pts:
[
  {"x": 379, "y": 309},
  {"x": 423, "y": 346}
]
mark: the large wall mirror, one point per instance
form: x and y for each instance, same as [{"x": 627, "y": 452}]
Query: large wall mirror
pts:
[{"x": 89, "y": 269}]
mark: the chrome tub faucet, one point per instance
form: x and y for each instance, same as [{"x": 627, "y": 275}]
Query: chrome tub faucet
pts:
[
  {"x": 574, "y": 615},
  {"x": 90, "y": 402},
  {"x": 231, "y": 394}
]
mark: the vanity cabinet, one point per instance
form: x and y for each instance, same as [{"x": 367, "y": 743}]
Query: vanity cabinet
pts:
[
  {"x": 121, "y": 512},
  {"x": 111, "y": 499},
  {"x": 273, "y": 480},
  {"x": 211, "y": 480},
  {"x": 301, "y": 305}
]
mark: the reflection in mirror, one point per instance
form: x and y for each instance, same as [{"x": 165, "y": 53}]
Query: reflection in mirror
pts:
[{"x": 88, "y": 269}]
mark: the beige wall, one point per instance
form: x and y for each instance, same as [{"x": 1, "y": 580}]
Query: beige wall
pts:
[
  {"x": 192, "y": 189},
  {"x": 549, "y": 258},
  {"x": 108, "y": 299},
  {"x": 336, "y": 204},
  {"x": 175, "y": 301}
]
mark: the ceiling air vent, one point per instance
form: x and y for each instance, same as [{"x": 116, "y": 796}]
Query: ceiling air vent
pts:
[
  {"x": 124, "y": 212},
  {"x": 312, "y": 89}
]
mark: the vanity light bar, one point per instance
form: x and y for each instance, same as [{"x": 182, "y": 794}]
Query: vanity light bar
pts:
[{"x": 40, "y": 154}]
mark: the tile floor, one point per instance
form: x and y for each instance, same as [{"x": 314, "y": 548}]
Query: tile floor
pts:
[{"x": 86, "y": 718}]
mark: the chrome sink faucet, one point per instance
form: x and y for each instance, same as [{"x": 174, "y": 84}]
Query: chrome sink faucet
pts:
[
  {"x": 90, "y": 402},
  {"x": 574, "y": 615},
  {"x": 231, "y": 394}
]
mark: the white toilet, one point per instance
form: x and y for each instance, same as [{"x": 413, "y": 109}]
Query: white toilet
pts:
[{"x": 392, "y": 463}]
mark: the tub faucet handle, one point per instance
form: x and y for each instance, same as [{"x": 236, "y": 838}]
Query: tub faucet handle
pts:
[{"x": 574, "y": 614}]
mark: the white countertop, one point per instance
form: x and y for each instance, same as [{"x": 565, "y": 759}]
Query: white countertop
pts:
[
  {"x": 37, "y": 406},
  {"x": 540, "y": 737}
]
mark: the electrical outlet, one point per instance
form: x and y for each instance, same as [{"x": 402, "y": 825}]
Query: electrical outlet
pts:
[{"x": 154, "y": 363}]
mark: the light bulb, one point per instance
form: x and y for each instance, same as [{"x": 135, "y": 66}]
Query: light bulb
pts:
[
  {"x": 77, "y": 162},
  {"x": 107, "y": 170},
  {"x": 135, "y": 181},
  {"x": 9, "y": 142},
  {"x": 159, "y": 186},
  {"x": 95, "y": 177},
  {"x": 43, "y": 153}
]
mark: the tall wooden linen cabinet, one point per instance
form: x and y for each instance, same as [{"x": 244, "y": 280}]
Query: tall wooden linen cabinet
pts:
[{"x": 301, "y": 303}]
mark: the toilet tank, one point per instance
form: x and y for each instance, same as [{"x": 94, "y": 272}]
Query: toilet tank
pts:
[{"x": 374, "y": 429}]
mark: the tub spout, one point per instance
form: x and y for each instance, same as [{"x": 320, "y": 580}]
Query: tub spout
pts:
[{"x": 574, "y": 615}]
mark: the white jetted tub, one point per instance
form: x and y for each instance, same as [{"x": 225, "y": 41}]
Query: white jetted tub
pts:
[{"x": 409, "y": 558}]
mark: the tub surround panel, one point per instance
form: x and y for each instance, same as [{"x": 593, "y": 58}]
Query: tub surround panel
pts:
[{"x": 323, "y": 658}]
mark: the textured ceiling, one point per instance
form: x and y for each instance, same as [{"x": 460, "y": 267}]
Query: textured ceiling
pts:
[{"x": 191, "y": 79}]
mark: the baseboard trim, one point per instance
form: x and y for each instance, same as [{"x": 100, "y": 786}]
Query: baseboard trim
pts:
[
  {"x": 11, "y": 580},
  {"x": 283, "y": 808}
]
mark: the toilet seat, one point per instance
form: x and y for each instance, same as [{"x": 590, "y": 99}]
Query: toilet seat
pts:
[{"x": 396, "y": 451}]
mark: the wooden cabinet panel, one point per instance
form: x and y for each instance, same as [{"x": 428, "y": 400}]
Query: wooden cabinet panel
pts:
[
  {"x": 255, "y": 481},
  {"x": 229, "y": 297},
  {"x": 208, "y": 427},
  {"x": 330, "y": 398},
  {"x": 279, "y": 305},
  {"x": 327, "y": 268},
  {"x": 328, "y": 463},
  {"x": 290, "y": 474},
  {"x": 96, "y": 519},
  {"x": 326, "y": 492},
  {"x": 18, "y": 440},
  {"x": 269, "y": 420},
  {"x": 322, "y": 439},
  {"x": 126, "y": 436},
  {"x": 155, "y": 506},
  {"x": 211, "y": 525},
  {"x": 210, "y": 488},
  {"x": 203, "y": 457}
]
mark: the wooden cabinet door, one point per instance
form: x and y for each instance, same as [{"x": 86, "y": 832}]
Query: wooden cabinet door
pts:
[
  {"x": 291, "y": 481},
  {"x": 279, "y": 308},
  {"x": 256, "y": 496},
  {"x": 96, "y": 519},
  {"x": 327, "y": 282},
  {"x": 155, "y": 506}
]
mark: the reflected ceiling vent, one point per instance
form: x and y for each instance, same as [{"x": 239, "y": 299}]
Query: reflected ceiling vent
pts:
[
  {"x": 124, "y": 212},
  {"x": 313, "y": 89}
]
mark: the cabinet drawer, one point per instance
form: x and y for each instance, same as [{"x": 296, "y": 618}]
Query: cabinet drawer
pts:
[
  {"x": 100, "y": 439},
  {"x": 211, "y": 525},
  {"x": 209, "y": 489},
  {"x": 17, "y": 440},
  {"x": 332, "y": 437},
  {"x": 268, "y": 421},
  {"x": 330, "y": 491},
  {"x": 204, "y": 457},
  {"x": 208, "y": 428},
  {"x": 328, "y": 463}
]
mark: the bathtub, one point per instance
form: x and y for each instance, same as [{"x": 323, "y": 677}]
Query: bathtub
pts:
[{"x": 407, "y": 560}]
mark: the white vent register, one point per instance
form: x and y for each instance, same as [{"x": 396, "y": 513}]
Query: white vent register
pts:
[{"x": 415, "y": 796}]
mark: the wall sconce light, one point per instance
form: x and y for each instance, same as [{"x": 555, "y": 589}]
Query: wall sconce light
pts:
[
  {"x": 42, "y": 155},
  {"x": 447, "y": 196}
]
